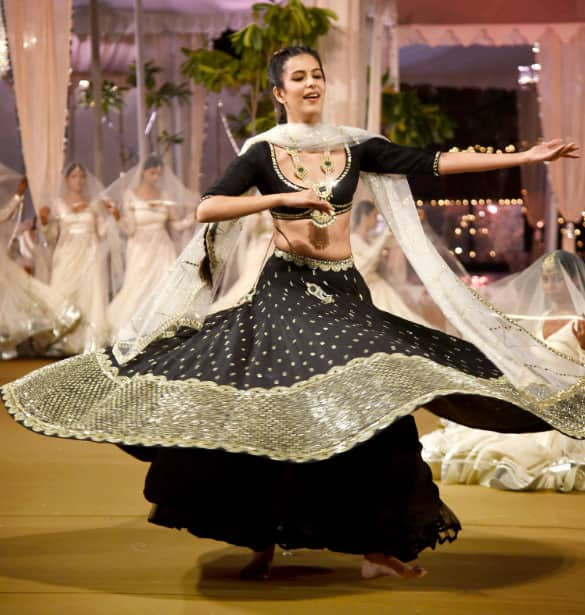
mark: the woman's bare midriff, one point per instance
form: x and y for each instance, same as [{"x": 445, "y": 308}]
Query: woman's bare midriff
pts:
[{"x": 294, "y": 236}]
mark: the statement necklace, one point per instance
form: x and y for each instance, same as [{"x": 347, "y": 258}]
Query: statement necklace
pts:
[{"x": 322, "y": 189}]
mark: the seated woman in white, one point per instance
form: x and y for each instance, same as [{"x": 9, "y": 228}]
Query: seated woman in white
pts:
[{"x": 548, "y": 298}]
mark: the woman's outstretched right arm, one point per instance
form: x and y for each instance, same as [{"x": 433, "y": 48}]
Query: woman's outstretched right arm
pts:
[{"x": 227, "y": 198}]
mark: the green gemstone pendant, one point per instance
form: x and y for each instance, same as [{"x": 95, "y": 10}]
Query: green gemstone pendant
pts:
[
  {"x": 301, "y": 172},
  {"x": 327, "y": 166},
  {"x": 322, "y": 219}
]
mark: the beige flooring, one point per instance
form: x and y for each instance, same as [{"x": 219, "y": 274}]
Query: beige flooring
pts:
[{"x": 74, "y": 540}]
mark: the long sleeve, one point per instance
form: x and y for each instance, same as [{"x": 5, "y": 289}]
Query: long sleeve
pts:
[
  {"x": 176, "y": 222},
  {"x": 241, "y": 174},
  {"x": 51, "y": 229},
  {"x": 8, "y": 210},
  {"x": 183, "y": 224},
  {"x": 100, "y": 225},
  {"x": 127, "y": 220},
  {"x": 367, "y": 255},
  {"x": 378, "y": 155}
]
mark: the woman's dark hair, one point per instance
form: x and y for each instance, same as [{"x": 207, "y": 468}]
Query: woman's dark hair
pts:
[
  {"x": 72, "y": 167},
  {"x": 152, "y": 162},
  {"x": 276, "y": 70},
  {"x": 363, "y": 208}
]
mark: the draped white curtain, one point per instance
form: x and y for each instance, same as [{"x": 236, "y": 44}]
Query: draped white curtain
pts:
[
  {"x": 344, "y": 53},
  {"x": 38, "y": 34},
  {"x": 562, "y": 96}
]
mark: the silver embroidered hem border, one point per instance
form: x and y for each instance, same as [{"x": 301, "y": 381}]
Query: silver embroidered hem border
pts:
[{"x": 84, "y": 397}]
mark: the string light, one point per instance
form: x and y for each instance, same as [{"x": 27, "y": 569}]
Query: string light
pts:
[
  {"x": 473, "y": 223},
  {"x": 491, "y": 204},
  {"x": 529, "y": 75},
  {"x": 482, "y": 149}
]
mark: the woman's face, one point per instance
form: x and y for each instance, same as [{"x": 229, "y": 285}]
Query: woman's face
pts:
[
  {"x": 76, "y": 180},
  {"x": 554, "y": 285},
  {"x": 152, "y": 175},
  {"x": 303, "y": 89}
]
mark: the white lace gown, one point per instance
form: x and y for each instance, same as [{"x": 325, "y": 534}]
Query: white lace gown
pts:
[
  {"x": 79, "y": 273},
  {"x": 518, "y": 462},
  {"x": 150, "y": 252},
  {"x": 29, "y": 309}
]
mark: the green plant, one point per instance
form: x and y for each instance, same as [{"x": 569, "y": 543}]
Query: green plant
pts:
[
  {"x": 409, "y": 121},
  {"x": 159, "y": 96},
  {"x": 166, "y": 140},
  {"x": 276, "y": 25},
  {"x": 112, "y": 99},
  {"x": 112, "y": 96},
  {"x": 156, "y": 96}
]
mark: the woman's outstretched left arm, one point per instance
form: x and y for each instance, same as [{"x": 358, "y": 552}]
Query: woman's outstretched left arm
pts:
[{"x": 472, "y": 162}]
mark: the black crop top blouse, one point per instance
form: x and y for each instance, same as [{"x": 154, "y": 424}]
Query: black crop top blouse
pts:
[{"x": 259, "y": 168}]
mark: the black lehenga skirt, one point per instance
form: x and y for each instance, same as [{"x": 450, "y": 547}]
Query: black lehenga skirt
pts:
[{"x": 284, "y": 420}]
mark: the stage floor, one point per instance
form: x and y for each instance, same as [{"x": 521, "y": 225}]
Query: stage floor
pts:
[{"x": 74, "y": 539}]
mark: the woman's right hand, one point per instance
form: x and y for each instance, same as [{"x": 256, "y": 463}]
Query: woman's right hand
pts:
[
  {"x": 80, "y": 206},
  {"x": 305, "y": 199},
  {"x": 112, "y": 209},
  {"x": 44, "y": 213}
]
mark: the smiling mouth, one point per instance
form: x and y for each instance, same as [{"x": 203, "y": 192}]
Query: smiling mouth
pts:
[{"x": 312, "y": 96}]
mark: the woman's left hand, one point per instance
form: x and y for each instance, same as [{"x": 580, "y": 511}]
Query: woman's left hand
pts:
[
  {"x": 552, "y": 150},
  {"x": 579, "y": 331}
]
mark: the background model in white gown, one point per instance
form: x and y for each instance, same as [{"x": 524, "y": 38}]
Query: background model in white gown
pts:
[
  {"x": 548, "y": 298},
  {"x": 380, "y": 261},
  {"x": 394, "y": 285},
  {"x": 77, "y": 221},
  {"x": 241, "y": 271},
  {"x": 151, "y": 206},
  {"x": 29, "y": 310}
]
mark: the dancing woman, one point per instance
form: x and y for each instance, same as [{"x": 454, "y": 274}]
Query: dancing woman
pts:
[{"x": 285, "y": 419}]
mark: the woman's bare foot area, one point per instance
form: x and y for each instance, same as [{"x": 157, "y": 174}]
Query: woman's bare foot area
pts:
[
  {"x": 260, "y": 566},
  {"x": 380, "y": 565}
]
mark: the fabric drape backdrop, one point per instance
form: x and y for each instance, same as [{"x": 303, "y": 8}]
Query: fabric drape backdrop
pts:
[
  {"x": 344, "y": 53},
  {"x": 188, "y": 119},
  {"x": 38, "y": 34},
  {"x": 562, "y": 96}
]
